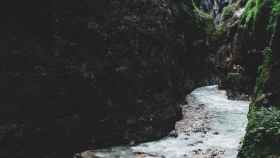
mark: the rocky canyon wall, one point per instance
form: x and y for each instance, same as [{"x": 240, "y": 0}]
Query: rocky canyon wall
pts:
[{"x": 86, "y": 74}]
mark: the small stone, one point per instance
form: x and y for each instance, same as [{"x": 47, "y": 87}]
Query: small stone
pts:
[
  {"x": 173, "y": 134},
  {"x": 216, "y": 133},
  {"x": 132, "y": 142}
]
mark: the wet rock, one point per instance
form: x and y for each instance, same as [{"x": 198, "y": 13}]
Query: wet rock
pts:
[
  {"x": 216, "y": 133},
  {"x": 196, "y": 142},
  {"x": 132, "y": 142},
  {"x": 173, "y": 134},
  {"x": 87, "y": 154}
]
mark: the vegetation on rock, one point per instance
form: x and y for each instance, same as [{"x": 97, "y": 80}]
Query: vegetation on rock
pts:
[
  {"x": 251, "y": 44},
  {"x": 251, "y": 10},
  {"x": 263, "y": 138}
]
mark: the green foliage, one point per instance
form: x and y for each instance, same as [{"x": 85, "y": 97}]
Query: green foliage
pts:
[
  {"x": 275, "y": 13},
  {"x": 251, "y": 10},
  {"x": 276, "y": 7}
]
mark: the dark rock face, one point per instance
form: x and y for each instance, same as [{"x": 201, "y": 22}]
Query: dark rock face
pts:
[
  {"x": 239, "y": 55},
  {"x": 80, "y": 74},
  {"x": 239, "y": 62}
]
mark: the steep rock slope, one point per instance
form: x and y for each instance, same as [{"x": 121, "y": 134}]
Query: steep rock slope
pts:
[
  {"x": 239, "y": 52},
  {"x": 249, "y": 58},
  {"x": 80, "y": 74},
  {"x": 263, "y": 132}
]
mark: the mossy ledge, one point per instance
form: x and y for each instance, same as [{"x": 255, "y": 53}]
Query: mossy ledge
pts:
[
  {"x": 263, "y": 130},
  {"x": 262, "y": 138}
]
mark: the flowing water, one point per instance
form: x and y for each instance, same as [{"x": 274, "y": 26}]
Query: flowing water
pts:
[{"x": 212, "y": 127}]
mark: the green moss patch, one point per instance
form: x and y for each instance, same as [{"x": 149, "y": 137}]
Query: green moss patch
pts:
[
  {"x": 275, "y": 13},
  {"x": 262, "y": 139},
  {"x": 263, "y": 133}
]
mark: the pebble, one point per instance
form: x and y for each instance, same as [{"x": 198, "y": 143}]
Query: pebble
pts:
[{"x": 216, "y": 133}]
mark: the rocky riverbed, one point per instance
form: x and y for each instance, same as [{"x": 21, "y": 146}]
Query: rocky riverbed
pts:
[{"x": 212, "y": 127}]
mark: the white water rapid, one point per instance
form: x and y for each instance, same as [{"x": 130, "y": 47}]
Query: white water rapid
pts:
[{"x": 212, "y": 127}]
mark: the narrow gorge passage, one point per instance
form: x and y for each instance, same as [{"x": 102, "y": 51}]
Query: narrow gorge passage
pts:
[
  {"x": 212, "y": 127},
  {"x": 121, "y": 78}
]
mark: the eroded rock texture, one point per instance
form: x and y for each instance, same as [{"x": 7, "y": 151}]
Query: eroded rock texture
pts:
[
  {"x": 86, "y": 74},
  {"x": 250, "y": 62}
]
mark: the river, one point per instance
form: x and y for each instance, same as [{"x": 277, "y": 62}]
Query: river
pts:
[{"x": 212, "y": 127}]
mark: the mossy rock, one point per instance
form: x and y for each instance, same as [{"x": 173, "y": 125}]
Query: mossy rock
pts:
[
  {"x": 263, "y": 133},
  {"x": 263, "y": 72},
  {"x": 262, "y": 139}
]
